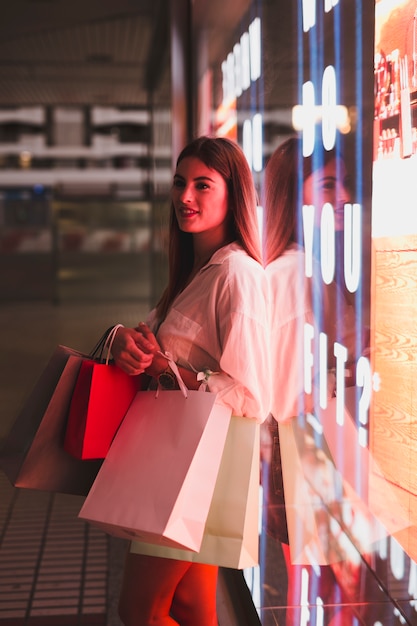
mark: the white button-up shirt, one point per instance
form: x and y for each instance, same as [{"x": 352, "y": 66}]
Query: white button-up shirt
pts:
[{"x": 219, "y": 322}]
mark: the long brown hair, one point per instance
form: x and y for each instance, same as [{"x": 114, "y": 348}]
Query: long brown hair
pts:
[
  {"x": 227, "y": 158},
  {"x": 283, "y": 193}
]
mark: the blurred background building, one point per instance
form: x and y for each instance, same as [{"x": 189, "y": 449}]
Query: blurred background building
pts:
[{"x": 85, "y": 148}]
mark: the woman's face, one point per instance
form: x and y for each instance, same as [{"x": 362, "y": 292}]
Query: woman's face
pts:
[
  {"x": 201, "y": 199},
  {"x": 328, "y": 184}
]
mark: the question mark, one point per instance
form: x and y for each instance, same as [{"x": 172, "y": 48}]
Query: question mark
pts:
[{"x": 364, "y": 380}]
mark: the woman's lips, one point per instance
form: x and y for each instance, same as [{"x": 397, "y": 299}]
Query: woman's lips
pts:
[{"x": 187, "y": 212}]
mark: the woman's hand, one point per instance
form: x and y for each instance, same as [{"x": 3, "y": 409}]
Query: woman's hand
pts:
[
  {"x": 136, "y": 350},
  {"x": 159, "y": 363},
  {"x": 132, "y": 351}
]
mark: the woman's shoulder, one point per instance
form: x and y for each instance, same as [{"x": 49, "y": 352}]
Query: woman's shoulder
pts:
[
  {"x": 233, "y": 256},
  {"x": 243, "y": 273},
  {"x": 239, "y": 277}
]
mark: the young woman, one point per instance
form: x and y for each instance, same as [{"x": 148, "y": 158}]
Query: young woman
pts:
[
  {"x": 212, "y": 318},
  {"x": 292, "y": 181}
]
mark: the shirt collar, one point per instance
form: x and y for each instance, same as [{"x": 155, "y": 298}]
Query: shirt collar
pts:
[{"x": 223, "y": 253}]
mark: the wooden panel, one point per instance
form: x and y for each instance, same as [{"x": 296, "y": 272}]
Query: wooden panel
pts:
[
  {"x": 393, "y": 423},
  {"x": 406, "y": 537}
]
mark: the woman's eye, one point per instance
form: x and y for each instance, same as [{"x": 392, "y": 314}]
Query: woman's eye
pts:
[
  {"x": 178, "y": 183},
  {"x": 202, "y": 186}
]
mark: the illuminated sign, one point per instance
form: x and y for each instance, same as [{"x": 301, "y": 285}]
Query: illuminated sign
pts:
[
  {"x": 241, "y": 68},
  {"x": 354, "y": 438},
  {"x": 309, "y": 10},
  {"x": 314, "y": 77},
  {"x": 243, "y": 65},
  {"x": 352, "y": 237},
  {"x": 348, "y": 517}
]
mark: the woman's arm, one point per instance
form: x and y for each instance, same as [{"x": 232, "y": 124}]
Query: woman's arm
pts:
[
  {"x": 160, "y": 363},
  {"x": 136, "y": 350}
]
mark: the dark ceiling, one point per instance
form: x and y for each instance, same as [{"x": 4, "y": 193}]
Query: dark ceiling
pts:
[
  {"x": 114, "y": 52},
  {"x": 77, "y": 52}
]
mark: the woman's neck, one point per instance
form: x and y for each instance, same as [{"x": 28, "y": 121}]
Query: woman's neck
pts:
[
  {"x": 204, "y": 249},
  {"x": 201, "y": 257}
]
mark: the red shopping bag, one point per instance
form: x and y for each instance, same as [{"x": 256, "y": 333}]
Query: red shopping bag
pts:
[
  {"x": 157, "y": 481},
  {"x": 101, "y": 398},
  {"x": 102, "y": 395}
]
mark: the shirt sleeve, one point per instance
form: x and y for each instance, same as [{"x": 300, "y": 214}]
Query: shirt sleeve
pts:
[{"x": 243, "y": 382}]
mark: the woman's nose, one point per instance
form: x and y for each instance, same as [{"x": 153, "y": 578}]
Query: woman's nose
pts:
[{"x": 186, "y": 194}]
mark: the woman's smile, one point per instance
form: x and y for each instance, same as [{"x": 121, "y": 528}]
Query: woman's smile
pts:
[{"x": 186, "y": 211}]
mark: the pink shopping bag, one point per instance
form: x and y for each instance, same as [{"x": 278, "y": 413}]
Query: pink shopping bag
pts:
[
  {"x": 157, "y": 481},
  {"x": 231, "y": 536}
]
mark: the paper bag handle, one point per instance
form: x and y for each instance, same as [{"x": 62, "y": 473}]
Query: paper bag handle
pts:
[
  {"x": 167, "y": 355},
  {"x": 110, "y": 339},
  {"x": 176, "y": 371}
]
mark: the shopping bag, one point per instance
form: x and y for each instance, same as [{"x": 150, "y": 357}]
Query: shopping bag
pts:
[
  {"x": 102, "y": 394},
  {"x": 101, "y": 398},
  {"x": 329, "y": 521},
  {"x": 32, "y": 454},
  {"x": 156, "y": 483},
  {"x": 231, "y": 535}
]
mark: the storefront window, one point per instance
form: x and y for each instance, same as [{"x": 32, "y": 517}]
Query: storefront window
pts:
[{"x": 336, "y": 479}]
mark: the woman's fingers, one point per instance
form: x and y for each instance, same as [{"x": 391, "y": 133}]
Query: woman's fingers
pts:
[
  {"x": 131, "y": 351},
  {"x": 148, "y": 336}
]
